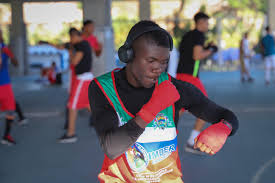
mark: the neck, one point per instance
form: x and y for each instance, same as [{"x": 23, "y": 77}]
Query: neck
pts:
[{"x": 86, "y": 34}]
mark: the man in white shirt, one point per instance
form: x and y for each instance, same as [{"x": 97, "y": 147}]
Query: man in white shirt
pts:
[{"x": 245, "y": 55}]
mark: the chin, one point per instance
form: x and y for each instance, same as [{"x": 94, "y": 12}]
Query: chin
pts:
[{"x": 148, "y": 85}]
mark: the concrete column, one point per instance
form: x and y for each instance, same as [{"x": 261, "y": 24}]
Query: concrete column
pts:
[
  {"x": 144, "y": 9},
  {"x": 100, "y": 12},
  {"x": 271, "y": 14},
  {"x": 18, "y": 40}
]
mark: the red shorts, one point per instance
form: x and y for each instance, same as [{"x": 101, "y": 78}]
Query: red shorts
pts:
[
  {"x": 7, "y": 101},
  {"x": 192, "y": 80},
  {"x": 79, "y": 94}
]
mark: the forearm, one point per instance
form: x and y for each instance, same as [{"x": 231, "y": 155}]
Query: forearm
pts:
[
  {"x": 200, "y": 106},
  {"x": 118, "y": 140},
  {"x": 213, "y": 113},
  {"x": 76, "y": 58},
  {"x": 114, "y": 139},
  {"x": 202, "y": 55}
]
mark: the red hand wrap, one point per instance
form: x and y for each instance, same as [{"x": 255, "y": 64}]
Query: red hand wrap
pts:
[
  {"x": 163, "y": 96},
  {"x": 215, "y": 135}
]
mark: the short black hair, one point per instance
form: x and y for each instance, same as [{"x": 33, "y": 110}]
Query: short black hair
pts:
[
  {"x": 74, "y": 31},
  {"x": 267, "y": 28},
  {"x": 86, "y": 22},
  {"x": 157, "y": 37},
  {"x": 200, "y": 15}
]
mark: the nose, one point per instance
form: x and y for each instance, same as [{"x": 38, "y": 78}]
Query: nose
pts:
[{"x": 158, "y": 68}]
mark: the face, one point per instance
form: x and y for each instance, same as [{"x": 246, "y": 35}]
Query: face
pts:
[
  {"x": 89, "y": 28},
  {"x": 149, "y": 62},
  {"x": 203, "y": 24},
  {"x": 73, "y": 38}
]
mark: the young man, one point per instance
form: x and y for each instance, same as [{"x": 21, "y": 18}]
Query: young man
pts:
[
  {"x": 22, "y": 120},
  {"x": 81, "y": 61},
  {"x": 136, "y": 111},
  {"x": 88, "y": 35},
  {"x": 268, "y": 46},
  {"x": 7, "y": 101},
  {"x": 245, "y": 55},
  {"x": 192, "y": 51}
]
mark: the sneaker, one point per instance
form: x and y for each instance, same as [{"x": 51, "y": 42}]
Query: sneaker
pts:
[
  {"x": 250, "y": 80},
  {"x": 67, "y": 139},
  {"x": 189, "y": 148},
  {"x": 23, "y": 122},
  {"x": 8, "y": 140}
]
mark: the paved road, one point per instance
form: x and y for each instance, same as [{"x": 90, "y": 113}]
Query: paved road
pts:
[{"x": 248, "y": 157}]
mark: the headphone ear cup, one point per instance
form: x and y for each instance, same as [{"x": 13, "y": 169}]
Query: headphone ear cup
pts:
[
  {"x": 122, "y": 54},
  {"x": 130, "y": 54}
]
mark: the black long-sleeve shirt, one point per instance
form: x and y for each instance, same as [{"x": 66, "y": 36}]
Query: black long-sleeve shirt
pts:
[{"x": 116, "y": 140}]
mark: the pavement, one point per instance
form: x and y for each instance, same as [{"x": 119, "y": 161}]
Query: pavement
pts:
[{"x": 247, "y": 157}]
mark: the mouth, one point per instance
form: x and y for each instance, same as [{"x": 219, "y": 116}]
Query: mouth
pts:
[{"x": 152, "y": 80}]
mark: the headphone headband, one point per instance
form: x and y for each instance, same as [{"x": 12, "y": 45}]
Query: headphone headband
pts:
[
  {"x": 139, "y": 31},
  {"x": 126, "y": 53}
]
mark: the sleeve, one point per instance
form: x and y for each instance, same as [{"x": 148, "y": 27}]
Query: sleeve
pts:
[
  {"x": 114, "y": 140},
  {"x": 200, "y": 106},
  {"x": 199, "y": 39},
  {"x": 67, "y": 46},
  {"x": 79, "y": 47},
  {"x": 95, "y": 44},
  {"x": 8, "y": 52}
]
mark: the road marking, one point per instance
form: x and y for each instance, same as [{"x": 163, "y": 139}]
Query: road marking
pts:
[
  {"x": 259, "y": 173},
  {"x": 259, "y": 109},
  {"x": 38, "y": 114},
  {"x": 43, "y": 114}
]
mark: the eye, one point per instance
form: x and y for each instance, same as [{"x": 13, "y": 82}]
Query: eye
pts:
[{"x": 150, "y": 61}]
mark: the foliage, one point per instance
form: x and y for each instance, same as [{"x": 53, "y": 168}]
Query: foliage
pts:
[
  {"x": 41, "y": 32},
  {"x": 255, "y": 5},
  {"x": 236, "y": 17},
  {"x": 179, "y": 32},
  {"x": 121, "y": 26}
]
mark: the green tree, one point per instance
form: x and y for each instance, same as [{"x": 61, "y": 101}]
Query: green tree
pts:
[
  {"x": 237, "y": 16},
  {"x": 121, "y": 26}
]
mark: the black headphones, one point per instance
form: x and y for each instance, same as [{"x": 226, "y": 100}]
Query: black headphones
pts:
[{"x": 126, "y": 52}]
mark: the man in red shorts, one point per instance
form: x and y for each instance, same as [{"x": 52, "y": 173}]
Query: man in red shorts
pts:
[
  {"x": 7, "y": 101},
  {"x": 81, "y": 61},
  {"x": 191, "y": 52}
]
